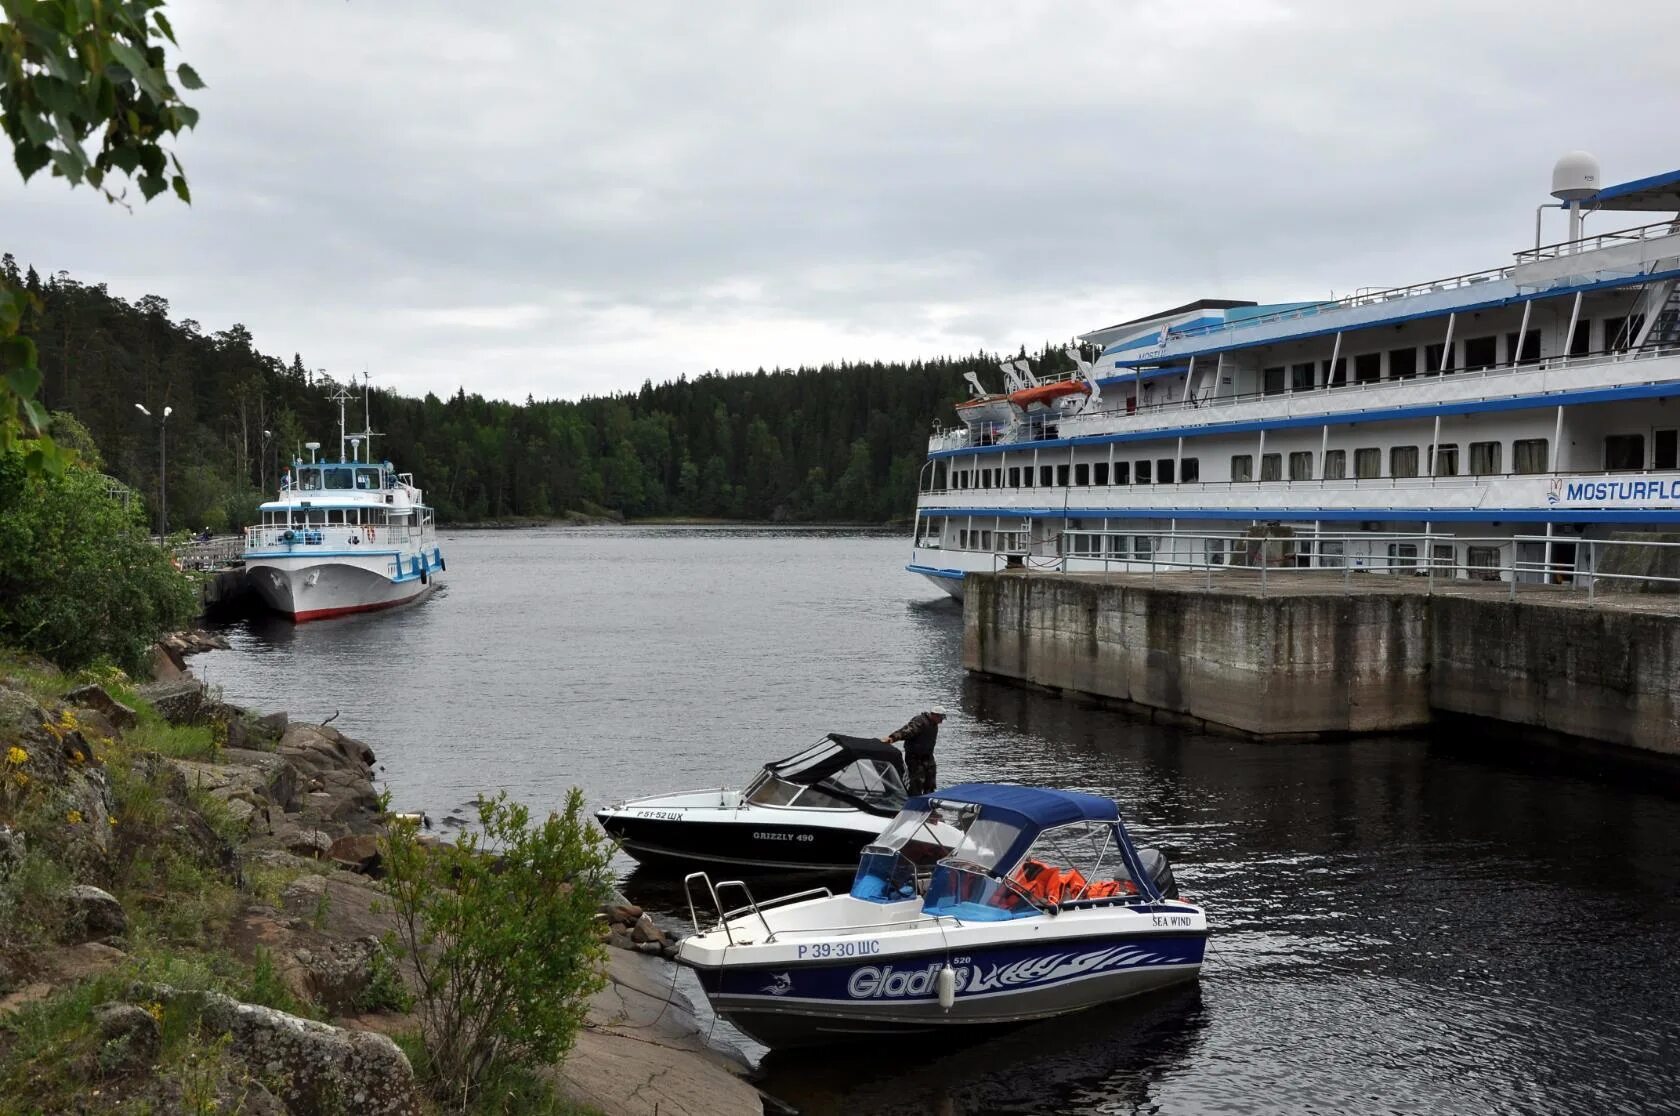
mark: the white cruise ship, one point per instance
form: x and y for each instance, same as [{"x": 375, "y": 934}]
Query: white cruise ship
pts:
[
  {"x": 1482, "y": 425},
  {"x": 344, "y": 536}
]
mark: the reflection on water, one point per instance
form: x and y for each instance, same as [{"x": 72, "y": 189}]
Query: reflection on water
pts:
[{"x": 1401, "y": 924}]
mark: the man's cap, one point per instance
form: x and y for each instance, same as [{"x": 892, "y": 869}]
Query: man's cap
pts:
[{"x": 938, "y": 711}]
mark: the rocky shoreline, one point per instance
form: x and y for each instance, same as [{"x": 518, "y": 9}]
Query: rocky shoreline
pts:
[{"x": 304, "y": 816}]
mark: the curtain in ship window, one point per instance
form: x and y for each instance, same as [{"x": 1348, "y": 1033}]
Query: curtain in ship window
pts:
[
  {"x": 1443, "y": 460},
  {"x": 1367, "y": 463},
  {"x": 1300, "y": 466},
  {"x": 1484, "y": 459},
  {"x": 1242, "y": 467},
  {"x": 1528, "y": 455},
  {"x": 1271, "y": 467},
  {"x": 1335, "y": 464},
  {"x": 1403, "y": 461}
]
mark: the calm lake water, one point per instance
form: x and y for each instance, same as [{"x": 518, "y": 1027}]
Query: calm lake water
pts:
[{"x": 1400, "y": 924}]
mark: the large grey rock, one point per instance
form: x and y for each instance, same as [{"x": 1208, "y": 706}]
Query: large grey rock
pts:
[
  {"x": 337, "y": 974},
  {"x": 92, "y": 913},
  {"x": 95, "y": 697},
  {"x": 312, "y": 1067},
  {"x": 180, "y": 702},
  {"x": 265, "y": 783}
]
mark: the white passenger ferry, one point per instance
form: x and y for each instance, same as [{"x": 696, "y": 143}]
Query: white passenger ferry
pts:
[
  {"x": 344, "y": 536},
  {"x": 1482, "y": 425}
]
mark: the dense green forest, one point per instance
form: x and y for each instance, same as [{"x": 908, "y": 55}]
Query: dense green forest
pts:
[{"x": 836, "y": 443}]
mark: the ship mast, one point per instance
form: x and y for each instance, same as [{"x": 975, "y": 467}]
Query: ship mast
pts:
[{"x": 342, "y": 397}]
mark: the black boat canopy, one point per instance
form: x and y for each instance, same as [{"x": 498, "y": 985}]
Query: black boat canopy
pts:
[{"x": 834, "y": 753}]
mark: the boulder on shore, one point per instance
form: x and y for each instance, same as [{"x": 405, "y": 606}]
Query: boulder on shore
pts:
[
  {"x": 93, "y": 914},
  {"x": 94, "y": 697}
]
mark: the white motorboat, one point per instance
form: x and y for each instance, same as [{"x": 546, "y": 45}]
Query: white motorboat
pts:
[
  {"x": 812, "y": 811},
  {"x": 979, "y": 905}
]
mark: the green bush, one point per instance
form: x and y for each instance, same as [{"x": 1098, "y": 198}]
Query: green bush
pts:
[
  {"x": 501, "y": 933},
  {"x": 80, "y": 580}
]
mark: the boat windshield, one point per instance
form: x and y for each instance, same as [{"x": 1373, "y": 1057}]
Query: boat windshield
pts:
[
  {"x": 837, "y": 773},
  {"x": 967, "y": 884},
  {"x": 889, "y": 869}
]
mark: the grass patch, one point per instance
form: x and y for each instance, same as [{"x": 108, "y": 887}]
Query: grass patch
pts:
[{"x": 154, "y": 734}]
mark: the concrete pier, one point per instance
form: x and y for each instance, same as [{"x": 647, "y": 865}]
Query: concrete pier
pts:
[{"x": 1306, "y": 657}]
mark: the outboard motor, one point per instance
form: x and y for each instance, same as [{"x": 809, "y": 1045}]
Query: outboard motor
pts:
[{"x": 1154, "y": 862}]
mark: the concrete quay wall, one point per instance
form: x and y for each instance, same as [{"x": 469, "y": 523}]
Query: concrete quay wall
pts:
[{"x": 1310, "y": 663}]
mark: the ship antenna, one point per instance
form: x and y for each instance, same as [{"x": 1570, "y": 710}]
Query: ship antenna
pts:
[{"x": 342, "y": 397}]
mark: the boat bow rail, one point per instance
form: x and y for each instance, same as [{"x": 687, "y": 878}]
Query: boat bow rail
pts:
[{"x": 752, "y": 907}]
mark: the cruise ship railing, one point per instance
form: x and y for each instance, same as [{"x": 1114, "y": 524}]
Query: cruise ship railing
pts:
[
  {"x": 1653, "y": 231},
  {"x": 1569, "y": 562},
  {"x": 303, "y": 536}
]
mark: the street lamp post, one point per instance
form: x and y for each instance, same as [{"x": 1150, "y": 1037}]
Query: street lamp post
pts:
[{"x": 163, "y": 476}]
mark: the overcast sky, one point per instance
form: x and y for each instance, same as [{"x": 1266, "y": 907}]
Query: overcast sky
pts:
[{"x": 566, "y": 199}]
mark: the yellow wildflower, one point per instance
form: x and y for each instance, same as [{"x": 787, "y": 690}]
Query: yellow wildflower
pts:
[
  {"x": 155, "y": 1010},
  {"x": 16, "y": 756},
  {"x": 20, "y": 778},
  {"x": 112, "y": 819},
  {"x": 74, "y": 817}
]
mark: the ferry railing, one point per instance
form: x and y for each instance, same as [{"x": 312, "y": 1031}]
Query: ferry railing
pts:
[
  {"x": 1111, "y": 419},
  {"x": 299, "y": 536},
  {"x": 1653, "y": 231},
  {"x": 1266, "y": 555}
]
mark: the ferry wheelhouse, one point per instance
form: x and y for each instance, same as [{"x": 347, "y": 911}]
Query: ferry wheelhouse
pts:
[
  {"x": 344, "y": 536},
  {"x": 1484, "y": 425}
]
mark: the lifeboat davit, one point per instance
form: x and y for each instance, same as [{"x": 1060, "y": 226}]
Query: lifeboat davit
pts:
[{"x": 1045, "y": 395}]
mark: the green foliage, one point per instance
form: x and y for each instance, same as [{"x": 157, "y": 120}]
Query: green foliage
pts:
[
  {"x": 840, "y": 442},
  {"x": 500, "y": 929},
  {"x": 79, "y": 579}
]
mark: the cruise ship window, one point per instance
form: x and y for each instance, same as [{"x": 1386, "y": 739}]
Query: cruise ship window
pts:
[
  {"x": 1581, "y": 343},
  {"x": 1624, "y": 452},
  {"x": 1403, "y": 461},
  {"x": 985, "y": 478},
  {"x": 1301, "y": 377},
  {"x": 1014, "y": 476},
  {"x": 1335, "y": 464},
  {"x": 1082, "y": 474},
  {"x": 1482, "y": 562},
  {"x": 1484, "y": 459},
  {"x": 1367, "y": 463},
  {"x": 1164, "y": 470},
  {"x": 1045, "y": 476},
  {"x": 1621, "y": 333},
  {"x": 1432, "y": 355},
  {"x": 1272, "y": 381},
  {"x": 1300, "y": 466},
  {"x": 1242, "y": 467},
  {"x": 1099, "y": 473},
  {"x": 1443, "y": 459},
  {"x": 1271, "y": 466},
  {"x": 1122, "y": 472},
  {"x": 1062, "y": 476},
  {"x": 1336, "y": 376},
  {"x": 1664, "y": 453},
  {"x": 1530, "y": 346},
  {"x": 1367, "y": 368},
  {"x": 1142, "y": 546},
  {"x": 1189, "y": 469},
  {"x": 1528, "y": 455},
  {"x": 1402, "y": 364},
  {"x": 1480, "y": 352},
  {"x": 1143, "y": 472},
  {"x": 1117, "y": 547}
]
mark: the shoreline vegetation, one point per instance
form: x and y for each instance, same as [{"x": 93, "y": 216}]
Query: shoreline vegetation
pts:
[{"x": 203, "y": 910}]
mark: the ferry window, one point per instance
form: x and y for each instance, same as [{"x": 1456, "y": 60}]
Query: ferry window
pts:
[
  {"x": 1336, "y": 375},
  {"x": 1403, "y": 555},
  {"x": 1142, "y": 546},
  {"x": 1099, "y": 473},
  {"x": 1301, "y": 377},
  {"x": 338, "y": 479},
  {"x": 1242, "y": 467},
  {"x": 1122, "y": 472},
  {"x": 1665, "y": 453},
  {"x": 1443, "y": 459},
  {"x": 1045, "y": 475},
  {"x": 1480, "y": 352},
  {"x": 1581, "y": 343},
  {"x": 1330, "y": 553},
  {"x": 1300, "y": 466},
  {"x": 1528, "y": 455},
  {"x": 1624, "y": 451},
  {"x": 1621, "y": 333},
  {"x": 1082, "y": 473},
  {"x": 1530, "y": 346},
  {"x": 1335, "y": 464},
  {"x": 1367, "y": 463},
  {"x": 1402, "y": 364},
  {"x": 309, "y": 480},
  {"x": 1482, "y": 562},
  {"x": 1367, "y": 368},
  {"x": 1272, "y": 381},
  {"x": 1403, "y": 461},
  {"x": 1190, "y": 469},
  {"x": 367, "y": 479},
  {"x": 1432, "y": 355},
  {"x": 1443, "y": 558},
  {"x": 1062, "y": 476},
  {"x": 985, "y": 478},
  {"x": 1014, "y": 476},
  {"x": 1117, "y": 547},
  {"x": 1143, "y": 472},
  {"x": 1164, "y": 470},
  {"x": 1484, "y": 459},
  {"x": 1271, "y": 466}
]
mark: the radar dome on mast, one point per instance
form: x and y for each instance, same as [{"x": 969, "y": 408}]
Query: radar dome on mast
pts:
[{"x": 1575, "y": 177}]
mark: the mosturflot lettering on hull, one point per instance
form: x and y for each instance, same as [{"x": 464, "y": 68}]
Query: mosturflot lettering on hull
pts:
[{"x": 1467, "y": 424}]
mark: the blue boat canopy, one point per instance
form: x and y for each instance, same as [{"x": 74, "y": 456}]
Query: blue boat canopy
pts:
[
  {"x": 1037, "y": 806},
  {"x": 1658, "y": 192}
]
